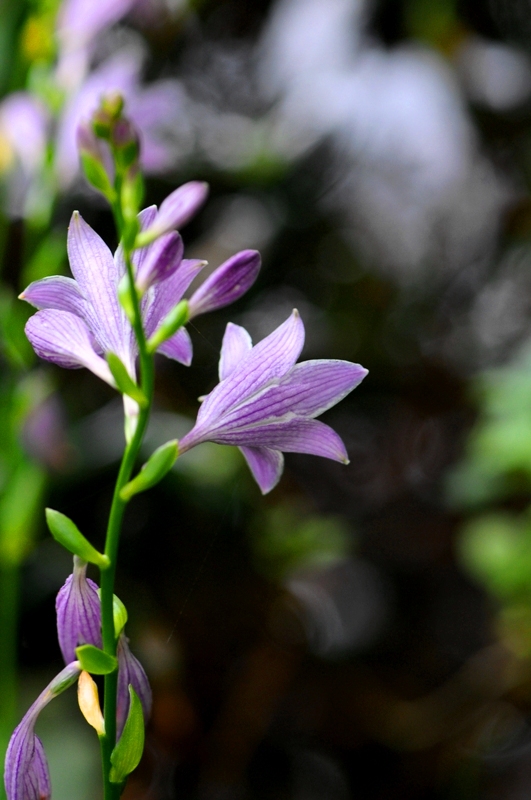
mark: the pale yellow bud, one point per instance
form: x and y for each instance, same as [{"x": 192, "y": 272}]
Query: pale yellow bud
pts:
[{"x": 89, "y": 702}]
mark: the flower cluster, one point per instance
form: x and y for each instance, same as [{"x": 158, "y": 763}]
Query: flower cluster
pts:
[{"x": 265, "y": 403}]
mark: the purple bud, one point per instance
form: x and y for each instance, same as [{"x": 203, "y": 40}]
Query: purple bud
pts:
[
  {"x": 227, "y": 283},
  {"x": 78, "y": 612},
  {"x": 26, "y": 774},
  {"x": 130, "y": 671},
  {"x": 163, "y": 258},
  {"x": 176, "y": 209}
]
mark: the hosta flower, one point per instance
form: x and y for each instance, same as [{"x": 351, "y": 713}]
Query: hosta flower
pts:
[
  {"x": 80, "y": 320},
  {"x": 266, "y": 404},
  {"x": 78, "y": 612},
  {"x": 26, "y": 774}
]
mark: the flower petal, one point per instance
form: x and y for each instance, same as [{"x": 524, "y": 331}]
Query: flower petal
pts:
[
  {"x": 56, "y": 292},
  {"x": 96, "y": 272},
  {"x": 294, "y": 436},
  {"x": 227, "y": 283},
  {"x": 178, "y": 347},
  {"x": 266, "y": 465},
  {"x": 235, "y": 346},
  {"x": 308, "y": 390},
  {"x": 64, "y": 339},
  {"x": 164, "y": 257},
  {"x": 269, "y": 359},
  {"x": 165, "y": 295},
  {"x": 179, "y": 207}
]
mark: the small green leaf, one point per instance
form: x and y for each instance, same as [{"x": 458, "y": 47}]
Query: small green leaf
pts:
[
  {"x": 159, "y": 463},
  {"x": 171, "y": 323},
  {"x": 68, "y": 534},
  {"x": 127, "y": 754},
  {"x": 119, "y": 613},
  {"x": 95, "y": 661},
  {"x": 124, "y": 381},
  {"x": 96, "y": 175}
]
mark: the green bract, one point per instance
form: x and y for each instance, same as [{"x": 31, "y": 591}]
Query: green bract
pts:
[
  {"x": 128, "y": 752},
  {"x": 159, "y": 463},
  {"x": 68, "y": 534}
]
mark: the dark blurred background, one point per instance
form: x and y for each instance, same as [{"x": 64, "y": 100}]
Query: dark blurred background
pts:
[{"x": 329, "y": 641}]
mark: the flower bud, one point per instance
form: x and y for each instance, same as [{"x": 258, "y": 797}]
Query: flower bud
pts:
[
  {"x": 130, "y": 671},
  {"x": 78, "y": 612}
]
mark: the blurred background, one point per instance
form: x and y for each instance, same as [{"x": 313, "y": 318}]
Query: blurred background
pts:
[{"x": 362, "y": 632}]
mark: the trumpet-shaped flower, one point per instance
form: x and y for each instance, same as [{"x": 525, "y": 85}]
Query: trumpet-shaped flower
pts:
[
  {"x": 78, "y": 612},
  {"x": 80, "y": 320},
  {"x": 26, "y": 774},
  {"x": 266, "y": 404}
]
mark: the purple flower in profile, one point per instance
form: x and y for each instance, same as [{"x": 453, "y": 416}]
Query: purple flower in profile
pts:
[
  {"x": 130, "y": 671},
  {"x": 266, "y": 404},
  {"x": 80, "y": 320},
  {"x": 78, "y": 612},
  {"x": 26, "y": 774}
]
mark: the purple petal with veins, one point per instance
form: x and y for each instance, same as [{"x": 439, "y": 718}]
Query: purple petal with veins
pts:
[
  {"x": 266, "y": 465},
  {"x": 227, "y": 283},
  {"x": 178, "y": 347},
  {"x": 163, "y": 259},
  {"x": 57, "y": 292},
  {"x": 64, "y": 339},
  {"x": 179, "y": 207},
  {"x": 78, "y": 612},
  {"x": 235, "y": 346}
]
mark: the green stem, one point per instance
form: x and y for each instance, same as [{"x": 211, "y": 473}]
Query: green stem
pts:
[
  {"x": 9, "y": 594},
  {"x": 108, "y": 741}
]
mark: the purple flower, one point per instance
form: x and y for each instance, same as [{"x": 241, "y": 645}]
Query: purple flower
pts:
[
  {"x": 266, "y": 404},
  {"x": 80, "y": 319},
  {"x": 78, "y": 612},
  {"x": 130, "y": 671},
  {"x": 26, "y": 774}
]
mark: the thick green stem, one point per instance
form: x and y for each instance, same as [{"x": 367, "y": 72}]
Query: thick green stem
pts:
[
  {"x": 108, "y": 741},
  {"x": 9, "y": 591}
]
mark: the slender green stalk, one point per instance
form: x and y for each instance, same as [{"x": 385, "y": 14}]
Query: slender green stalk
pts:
[
  {"x": 108, "y": 741},
  {"x": 9, "y": 593}
]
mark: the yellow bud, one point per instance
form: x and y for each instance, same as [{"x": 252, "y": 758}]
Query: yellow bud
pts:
[{"x": 89, "y": 702}]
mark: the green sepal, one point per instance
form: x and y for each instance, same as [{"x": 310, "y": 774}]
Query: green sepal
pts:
[
  {"x": 155, "y": 468},
  {"x": 68, "y": 534},
  {"x": 171, "y": 323},
  {"x": 124, "y": 382},
  {"x": 127, "y": 754},
  {"x": 96, "y": 175},
  {"x": 119, "y": 613},
  {"x": 95, "y": 661}
]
